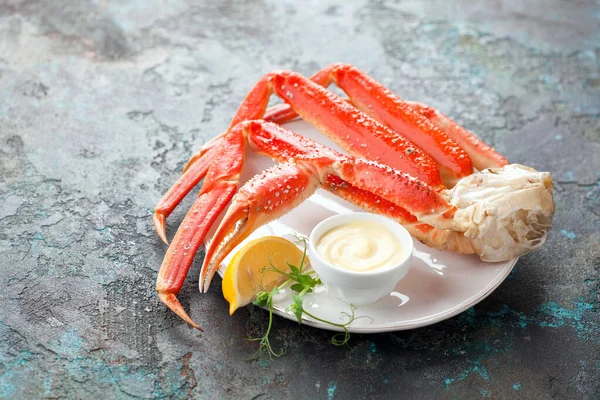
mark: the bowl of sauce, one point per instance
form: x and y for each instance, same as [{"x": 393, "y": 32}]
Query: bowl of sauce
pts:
[{"x": 360, "y": 257}]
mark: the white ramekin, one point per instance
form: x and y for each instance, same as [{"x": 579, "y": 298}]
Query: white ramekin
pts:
[{"x": 360, "y": 288}]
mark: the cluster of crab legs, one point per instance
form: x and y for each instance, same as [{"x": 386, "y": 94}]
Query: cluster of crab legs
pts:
[{"x": 406, "y": 161}]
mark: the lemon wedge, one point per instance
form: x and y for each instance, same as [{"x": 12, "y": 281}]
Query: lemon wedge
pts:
[{"x": 245, "y": 275}]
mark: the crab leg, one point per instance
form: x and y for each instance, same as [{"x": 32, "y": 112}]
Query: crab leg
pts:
[
  {"x": 198, "y": 166},
  {"x": 350, "y": 128},
  {"x": 443, "y": 139},
  {"x": 274, "y": 193},
  {"x": 482, "y": 155},
  {"x": 220, "y": 184},
  {"x": 380, "y": 103},
  {"x": 196, "y": 170}
]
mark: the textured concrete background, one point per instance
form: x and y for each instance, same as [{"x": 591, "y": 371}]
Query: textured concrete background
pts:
[{"x": 101, "y": 104}]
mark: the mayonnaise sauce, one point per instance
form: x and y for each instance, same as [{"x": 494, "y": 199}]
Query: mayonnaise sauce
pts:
[{"x": 360, "y": 246}]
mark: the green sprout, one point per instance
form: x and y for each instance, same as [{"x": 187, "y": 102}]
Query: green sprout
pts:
[{"x": 302, "y": 282}]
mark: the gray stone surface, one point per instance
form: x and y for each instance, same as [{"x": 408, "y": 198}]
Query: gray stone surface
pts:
[{"x": 101, "y": 104}]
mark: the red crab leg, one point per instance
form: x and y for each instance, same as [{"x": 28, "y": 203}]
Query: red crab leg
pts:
[
  {"x": 348, "y": 127},
  {"x": 205, "y": 151},
  {"x": 253, "y": 107},
  {"x": 371, "y": 202},
  {"x": 374, "y": 99},
  {"x": 380, "y": 103},
  {"x": 198, "y": 165},
  {"x": 196, "y": 170},
  {"x": 278, "y": 190},
  {"x": 280, "y": 114},
  {"x": 220, "y": 185},
  {"x": 351, "y": 129},
  {"x": 482, "y": 155}
]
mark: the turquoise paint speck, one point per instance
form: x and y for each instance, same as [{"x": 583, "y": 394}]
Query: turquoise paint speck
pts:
[
  {"x": 558, "y": 137},
  {"x": 448, "y": 382},
  {"x": 373, "y": 347},
  {"x": 70, "y": 343},
  {"x": 505, "y": 320},
  {"x": 263, "y": 363},
  {"x": 481, "y": 370},
  {"x": 486, "y": 393},
  {"x": 38, "y": 236},
  {"x": 573, "y": 317},
  {"x": 331, "y": 386},
  {"x": 385, "y": 381},
  {"x": 47, "y": 385},
  {"x": 266, "y": 380},
  {"x": 570, "y": 176},
  {"x": 523, "y": 321},
  {"x": 569, "y": 234},
  {"x": 517, "y": 386},
  {"x": 6, "y": 389}
]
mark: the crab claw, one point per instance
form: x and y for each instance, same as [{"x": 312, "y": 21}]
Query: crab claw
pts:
[
  {"x": 186, "y": 243},
  {"x": 261, "y": 200}
]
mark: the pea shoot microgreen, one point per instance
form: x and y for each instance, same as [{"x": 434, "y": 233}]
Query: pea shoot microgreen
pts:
[{"x": 302, "y": 282}]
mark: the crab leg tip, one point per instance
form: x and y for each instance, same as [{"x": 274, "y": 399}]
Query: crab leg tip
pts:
[
  {"x": 170, "y": 300},
  {"x": 159, "y": 226},
  {"x": 204, "y": 287}
]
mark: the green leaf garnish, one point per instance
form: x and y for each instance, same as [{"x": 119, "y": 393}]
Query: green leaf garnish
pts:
[
  {"x": 297, "y": 287},
  {"x": 262, "y": 299},
  {"x": 304, "y": 282},
  {"x": 296, "y": 307}
]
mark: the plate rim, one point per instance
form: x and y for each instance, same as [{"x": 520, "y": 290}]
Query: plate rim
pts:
[
  {"x": 411, "y": 324},
  {"x": 407, "y": 325}
]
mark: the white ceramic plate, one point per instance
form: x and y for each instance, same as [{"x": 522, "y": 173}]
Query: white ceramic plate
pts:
[{"x": 438, "y": 286}]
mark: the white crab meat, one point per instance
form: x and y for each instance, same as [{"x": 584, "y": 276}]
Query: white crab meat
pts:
[{"x": 503, "y": 212}]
